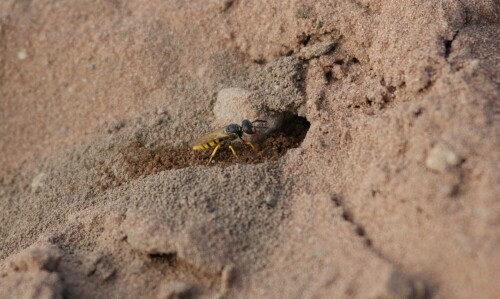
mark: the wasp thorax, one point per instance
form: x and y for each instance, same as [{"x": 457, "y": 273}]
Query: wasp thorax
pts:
[{"x": 233, "y": 128}]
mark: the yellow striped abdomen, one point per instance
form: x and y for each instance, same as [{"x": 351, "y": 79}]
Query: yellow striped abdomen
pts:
[{"x": 205, "y": 146}]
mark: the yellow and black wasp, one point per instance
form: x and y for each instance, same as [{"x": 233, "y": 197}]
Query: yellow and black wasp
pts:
[{"x": 226, "y": 135}]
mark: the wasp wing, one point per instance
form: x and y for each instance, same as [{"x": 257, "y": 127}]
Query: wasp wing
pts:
[{"x": 217, "y": 135}]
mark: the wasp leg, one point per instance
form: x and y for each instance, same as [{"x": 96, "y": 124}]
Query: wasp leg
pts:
[
  {"x": 250, "y": 145},
  {"x": 213, "y": 153},
  {"x": 232, "y": 150}
]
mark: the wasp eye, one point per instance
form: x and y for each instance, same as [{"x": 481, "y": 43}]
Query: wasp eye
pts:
[{"x": 247, "y": 127}]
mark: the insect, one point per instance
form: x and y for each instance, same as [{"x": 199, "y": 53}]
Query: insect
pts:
[{"x": 226, "y": 135}]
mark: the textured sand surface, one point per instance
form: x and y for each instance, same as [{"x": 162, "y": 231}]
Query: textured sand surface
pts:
[{"x": 378, "y": 177}]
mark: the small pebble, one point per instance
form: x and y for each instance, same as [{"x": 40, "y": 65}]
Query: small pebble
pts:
[
  {"x": 223, "y": 5},
  {"x": 450, "y": 190},
  {"x": 63, "y": 130},
  {"x": 175, "y": 289},
  {"x": 271, "y": 201},
  {"x": 137, "y": 267},
  {"x": 98, "y": 264},
  {"x": 400, "y": 285},
  {"x": 104, "y": 269},
  {"x": 115, "y": 126},
  {"x": 21, "y": 55},
  {"x": 227, "y": 278},
  {"x": 316, "y": 50},
  {"x": 417, "y": 111},
  {"x": 38, "y": 180},
  {"x": 441, "y": 158}
]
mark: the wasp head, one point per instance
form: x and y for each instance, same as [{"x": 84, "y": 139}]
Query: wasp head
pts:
[{"x": 249, "y": 127}]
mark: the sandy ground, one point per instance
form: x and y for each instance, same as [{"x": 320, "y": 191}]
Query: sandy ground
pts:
[{"x": 378, "y": 176}]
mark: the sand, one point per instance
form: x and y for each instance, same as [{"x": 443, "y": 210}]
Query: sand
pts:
[{"x": 377, "y": 177}]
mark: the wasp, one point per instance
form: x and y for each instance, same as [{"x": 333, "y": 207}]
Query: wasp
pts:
[{"x": 226, "y": 135}]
